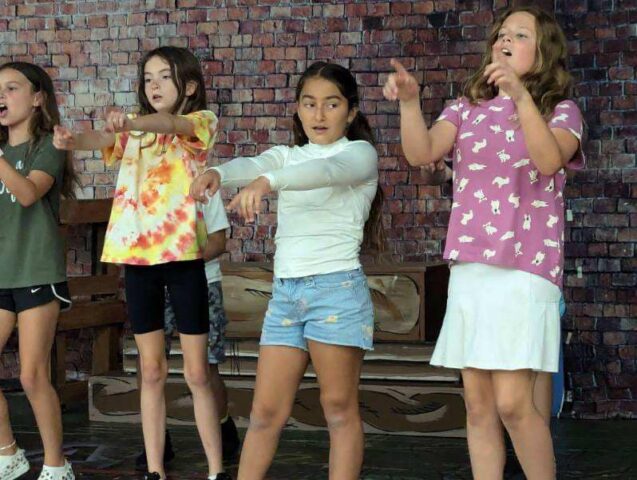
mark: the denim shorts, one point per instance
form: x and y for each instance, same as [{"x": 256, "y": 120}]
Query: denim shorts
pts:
[{"x": 334, "y": 308}]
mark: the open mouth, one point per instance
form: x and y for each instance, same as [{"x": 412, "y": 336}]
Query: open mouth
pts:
[
  {"x": 157, "y": 98},
  {"x": 320, "y": 129},
  {"x": 3, "y": 110},
  {"x": 507, "y": 52}
]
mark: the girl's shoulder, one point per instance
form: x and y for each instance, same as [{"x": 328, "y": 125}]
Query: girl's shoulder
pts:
[{"x": 566, "y": 105}]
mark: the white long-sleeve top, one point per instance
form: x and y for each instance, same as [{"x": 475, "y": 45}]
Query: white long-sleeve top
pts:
[{"x": 325, "y": 194}]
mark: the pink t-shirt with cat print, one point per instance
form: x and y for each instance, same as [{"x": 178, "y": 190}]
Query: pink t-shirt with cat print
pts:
[{"x": 505, "y": 212}]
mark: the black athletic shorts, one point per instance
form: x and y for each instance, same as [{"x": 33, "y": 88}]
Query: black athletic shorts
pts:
[{"x": 20, "y": 299}]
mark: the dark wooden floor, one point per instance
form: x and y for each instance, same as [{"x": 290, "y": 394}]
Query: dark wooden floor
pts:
[{"x": 100, "y": 451}]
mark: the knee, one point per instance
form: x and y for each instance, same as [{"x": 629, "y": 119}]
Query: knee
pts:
[
  {"x": 197, "y": 377},
  {"x": 263, "y": 417},
  {"x": 339, "y": 410},
  {"x": 479, "y": 409},
  {"x": 154, "y": 372},
  {"x": 33, "y": 380},
  {"x": 511, "y": 411}
]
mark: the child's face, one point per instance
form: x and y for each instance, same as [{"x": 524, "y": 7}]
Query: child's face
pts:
[
  {"x": 159, "y": 87},
  {"x": 323, "y": 111},
  {"x": 517, "y": 42},
  {"x": 17, "y": 98}
]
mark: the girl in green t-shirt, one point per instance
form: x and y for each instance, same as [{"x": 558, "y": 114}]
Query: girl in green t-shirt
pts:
[{"x": 33, "y": 289}]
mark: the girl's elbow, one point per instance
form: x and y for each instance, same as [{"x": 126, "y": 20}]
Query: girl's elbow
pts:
[
  {"x": 26, "y": 200},
  {"x": 550, "y": 169},
  {"x": 418, "y": 160}
]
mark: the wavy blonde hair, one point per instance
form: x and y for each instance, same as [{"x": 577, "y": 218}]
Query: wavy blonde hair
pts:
[{"x": 548, "y": 81}]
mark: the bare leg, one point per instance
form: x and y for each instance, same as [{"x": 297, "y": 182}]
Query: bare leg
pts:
[
  {"x": 219, "y": 391},
  {"x": 543, "y": 395},
  {"x": 197, "y": 374},
  {"x": 7, "y": 324},
  {"x": 338, "y": 370},
  {"x": 154, "y": 370},
  {"x": 279, "y": 373},
  {"x": 528, "y": 429},
  {"x": 484, "y": 430},
  {"x": 36, "y": 328}
]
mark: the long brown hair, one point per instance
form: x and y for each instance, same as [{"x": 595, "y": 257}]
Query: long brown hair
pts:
[
  {"x": 548, "y": 81},
  {"x": 184, "y": 68},
  {"x": 358, "y": 129},
  {"x": 43, "y": 119}
]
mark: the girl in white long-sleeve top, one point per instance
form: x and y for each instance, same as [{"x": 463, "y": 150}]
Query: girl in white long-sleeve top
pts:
[{"x": 321, "y": 307}]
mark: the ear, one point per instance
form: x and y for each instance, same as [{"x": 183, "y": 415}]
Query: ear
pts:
[
  {"x": 352, "y": 113},
  {"x": 38, "y": 99},
  {"x": 191, "y": 88}
]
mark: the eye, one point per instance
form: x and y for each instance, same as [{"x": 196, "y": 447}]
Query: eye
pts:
[
  {"x": 165, "y": 77},
  {"x": 308, "y": 105},
  {"x": 147, "y": 80},
  {"x": 333, "y": 105},
  {"x": 521, "y": 35},
  {"x": 500, "y": 34}
]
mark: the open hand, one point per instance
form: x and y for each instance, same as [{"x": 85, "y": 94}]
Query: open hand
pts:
[
  {"x": 117, "y": 121},
  {"x": 63, "y": 138},
  {"x": 248, "y": 201}
]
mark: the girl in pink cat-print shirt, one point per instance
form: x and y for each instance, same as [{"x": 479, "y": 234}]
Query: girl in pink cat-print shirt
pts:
[{"x": 511, "y": 137}]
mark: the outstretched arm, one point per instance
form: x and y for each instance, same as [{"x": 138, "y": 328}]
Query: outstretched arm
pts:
[
  {"x": 163, "y": 123},
  {"x": 65, "y": 139},
  {"x": 421, "y": 146},
  {"x": 236, "y": 173},
  {"x": 355, "y": 164}
]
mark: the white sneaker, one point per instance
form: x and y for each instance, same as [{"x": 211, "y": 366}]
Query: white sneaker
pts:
[
  {"x": 57, "y": 473},
  {"x": 13, "y": 466}
]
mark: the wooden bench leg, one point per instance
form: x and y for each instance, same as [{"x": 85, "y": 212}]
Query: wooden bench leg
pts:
[
  {"x": 101, "y": 350},
  {"x": 58, "y": 362}
]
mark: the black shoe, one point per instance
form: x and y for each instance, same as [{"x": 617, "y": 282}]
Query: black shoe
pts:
[
  {"x": 141, "y": 463},
  {"x": 152, "y": 476},
  {"x": 230, "y": 442}
]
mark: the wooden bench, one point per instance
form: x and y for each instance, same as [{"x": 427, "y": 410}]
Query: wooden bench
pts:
[{"x": 96, "y": 302}]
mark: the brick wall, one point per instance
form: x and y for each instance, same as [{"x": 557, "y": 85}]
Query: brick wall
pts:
[{"x": 253, "y": 52}]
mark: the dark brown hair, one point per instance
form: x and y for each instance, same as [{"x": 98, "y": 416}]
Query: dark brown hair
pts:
[
  {"x": 184, "y": 68},
  {"x": 548, "y": 81},
  {"x": 43, "y": 119},
  {"x": 358, "y": 129}
]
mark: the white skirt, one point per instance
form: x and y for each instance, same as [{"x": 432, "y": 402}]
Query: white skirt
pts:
[{"x": 499, "y": 318}]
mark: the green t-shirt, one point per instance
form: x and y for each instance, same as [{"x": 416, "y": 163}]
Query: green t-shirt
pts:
[{"x": 31, "y": 245}]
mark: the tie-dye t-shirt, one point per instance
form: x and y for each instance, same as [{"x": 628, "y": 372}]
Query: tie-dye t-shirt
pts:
[
  {"x": 154, "y": 220},
  {"x": 504, "y": 211}
]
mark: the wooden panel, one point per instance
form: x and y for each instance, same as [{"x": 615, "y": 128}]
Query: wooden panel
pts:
[
  {"x": 76, "y": 212},
  {"x": 398, "y": 300},
  {"x": 94, "y": 285},
  {"x": 412, "y": 352},
  {"x": 372, "y": 370},
  {"x": 389, "y": 408},
  {"x": 93, "y": 314},
  {"x": 382, "y": 364}
]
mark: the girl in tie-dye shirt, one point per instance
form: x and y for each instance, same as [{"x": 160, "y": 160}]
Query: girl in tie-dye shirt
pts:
[
  {"x": 154, "y": 230},
  {"x": 511, "y": 137}
]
